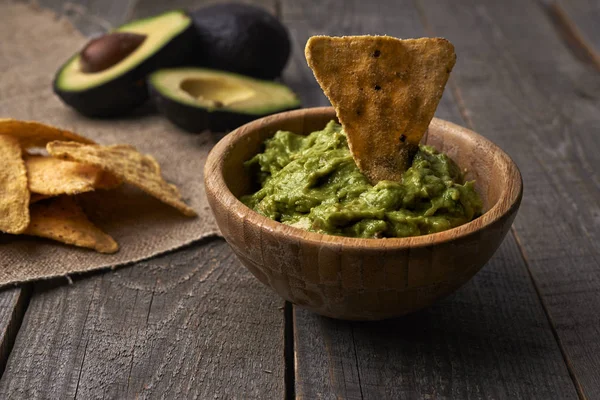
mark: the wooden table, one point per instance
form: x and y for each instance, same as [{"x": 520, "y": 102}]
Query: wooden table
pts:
[{"x": 196, "y": 324}]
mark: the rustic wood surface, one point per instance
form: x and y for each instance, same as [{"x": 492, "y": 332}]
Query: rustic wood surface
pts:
[
  {"x": 545, "y": 114},
  {"x": 489, "y": 340},
  {"x": 581, "y": 17},
  {"x": 194, "y": 323},
  {"x": 407, "y": 21},
  {"x": 13, "y": 303}
]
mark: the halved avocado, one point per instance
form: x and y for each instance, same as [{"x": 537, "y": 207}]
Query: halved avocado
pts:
[
  {"x": 197, "y": 99},
  {"x": 121, "y": 87}
]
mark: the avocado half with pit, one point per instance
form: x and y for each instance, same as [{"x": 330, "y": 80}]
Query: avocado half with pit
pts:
[
  {"x": 108, "y": 77},
  {"x": 197, "y": 99}
]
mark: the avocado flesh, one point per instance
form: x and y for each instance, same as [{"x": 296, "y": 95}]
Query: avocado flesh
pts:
[
  {"x": 215, "y": 92},
  {"x": 121, "y": 87},
  {"x": 197, "y": 99}
]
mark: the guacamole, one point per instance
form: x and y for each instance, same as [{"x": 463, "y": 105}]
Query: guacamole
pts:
[{"x": 312, "y": 182}]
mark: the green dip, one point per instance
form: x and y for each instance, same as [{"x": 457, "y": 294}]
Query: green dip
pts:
[{"x": 312, "y": 182}]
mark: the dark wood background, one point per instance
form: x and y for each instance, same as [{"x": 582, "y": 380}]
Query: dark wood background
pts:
[{"x": 196, "y": 324}]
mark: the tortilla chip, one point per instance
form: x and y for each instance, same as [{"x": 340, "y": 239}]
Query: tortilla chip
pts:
[
  {"x": 108, "y": 181},
  {"x": 35, "y": 134},
  {"x": 63, "y": 220},
  {"x": 385, "y": 92},
  {"x": 14, "y": 195},
  {"x": 35, "y": 197},
  {"x": 52, "y": 177},
  {"x": 126, "y": 163}
]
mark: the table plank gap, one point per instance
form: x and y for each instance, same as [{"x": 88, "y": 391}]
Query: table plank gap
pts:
[
  {"x": 563, "y": 351},
  {"x": 289, "y": 356},
  {"x": 360, "y": 387},
  {"x": 190, "y": 324},
  {"x": 13, "y": 304}
]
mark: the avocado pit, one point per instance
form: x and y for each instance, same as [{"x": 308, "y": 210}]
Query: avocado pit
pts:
[
  {"x": 108, "y": 50},
  {"x": 216, "y": 91}
]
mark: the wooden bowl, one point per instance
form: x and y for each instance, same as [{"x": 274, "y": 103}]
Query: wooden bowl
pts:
[{"x": 361, "y": 279}]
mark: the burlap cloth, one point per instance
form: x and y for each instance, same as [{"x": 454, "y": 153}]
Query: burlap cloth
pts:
[{"x": 33, "y": 44}]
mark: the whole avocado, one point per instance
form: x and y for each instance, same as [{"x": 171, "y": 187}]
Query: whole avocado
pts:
[{"x": 241, "y": 38}]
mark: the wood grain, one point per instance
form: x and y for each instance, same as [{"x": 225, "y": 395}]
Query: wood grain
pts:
[
  {"x": 563, "y": 103},
  {"x": 581, "y": 17},
  {"x": 13, "y": 303},
  {"x": 192, "y": 324},
  {"x": 336, "y": 374},
  {"x": 490, "y": 340},
  {"x": 530, "y": 95}
]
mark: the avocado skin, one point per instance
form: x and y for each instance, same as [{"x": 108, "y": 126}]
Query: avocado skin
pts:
[
  {"x": 121, "y": 95},
  {"x": 241, "y": 38},
  {"x": 197, "y": 119}
]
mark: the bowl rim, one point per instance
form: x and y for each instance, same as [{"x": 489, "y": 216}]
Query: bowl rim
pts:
[{"x": 508, "y": 201}]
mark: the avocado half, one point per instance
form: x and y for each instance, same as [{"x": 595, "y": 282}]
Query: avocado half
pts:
[
  {"x": 197, "y": 99},
  {"x": 120, "y": 88}
]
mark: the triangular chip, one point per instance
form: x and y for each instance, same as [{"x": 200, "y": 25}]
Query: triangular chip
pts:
[
  {"x": 63, "y": 220},
  {"x": 36, "y": 134},
  {"x": 52, "y": 177},
  {"x": 14, "y": 195},
  {"x": 126, "y": 163},
  {"x": 385, "y": 92},
  {"x": 35, "y": 197},
  {"x": 108, "y": 181}
]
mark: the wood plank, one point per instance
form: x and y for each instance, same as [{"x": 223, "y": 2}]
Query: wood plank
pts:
[
  {"x": 473, "y": 340},
  {"x": 191, "y": 324},
  {"x": 489, "y": 340},
  {"x": 523, "y": 88},
  {"x": 13, "y": 303},
  {"x": 145, "y": 8},
  {"x": 351, "y": 18}
]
